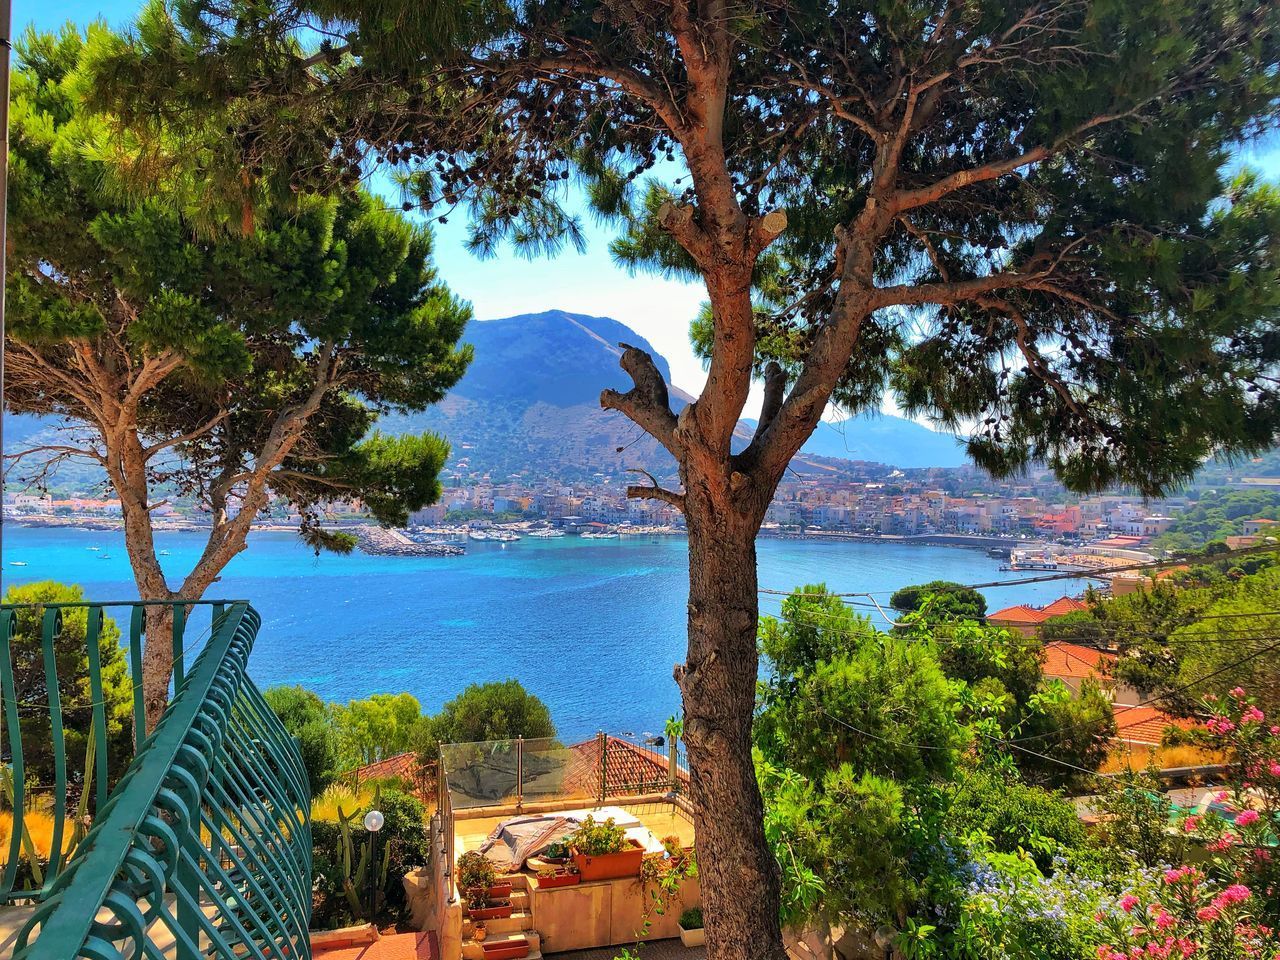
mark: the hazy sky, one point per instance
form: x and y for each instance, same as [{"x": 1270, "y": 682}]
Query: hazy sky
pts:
[{"x": 658, "y": 309}]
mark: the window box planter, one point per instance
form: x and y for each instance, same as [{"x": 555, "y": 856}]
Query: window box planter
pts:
[
  {"x": 500, "y": 890},
  {"x": 693, "y": 938},
  {"x": 610, "y": 866},
  {"x": 559, "y": 880},
  {"x": 505, "y": 949},
  {"x": 491, "y": 911}
]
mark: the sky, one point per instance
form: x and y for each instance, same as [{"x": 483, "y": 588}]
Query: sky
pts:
[{"x": 658, "y": 309}]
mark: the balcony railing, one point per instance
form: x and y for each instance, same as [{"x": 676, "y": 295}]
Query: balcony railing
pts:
[{"x": 202, "y": 848}]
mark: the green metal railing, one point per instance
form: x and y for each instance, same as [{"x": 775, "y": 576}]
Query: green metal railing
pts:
[{"x": 203, "y": 846}]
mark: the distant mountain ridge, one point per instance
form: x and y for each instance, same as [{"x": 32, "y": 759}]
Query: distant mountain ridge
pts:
[
  {"x": 531, "y": 403},
  {"x": 529, "y": 406}
]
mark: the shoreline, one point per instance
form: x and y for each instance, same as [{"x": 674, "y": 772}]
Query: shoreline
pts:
[{"x": 379, "y": 541}]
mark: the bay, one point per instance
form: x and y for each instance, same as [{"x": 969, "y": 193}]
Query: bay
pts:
[{"x": 593, "y": 627}]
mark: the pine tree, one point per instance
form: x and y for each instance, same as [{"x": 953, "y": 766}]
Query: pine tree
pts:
[
  {"x": 1013, "y": 214},
  {"x": 238, "y": 369}
]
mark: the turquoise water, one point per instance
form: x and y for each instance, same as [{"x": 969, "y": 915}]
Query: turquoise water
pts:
[{"x": 592, "y": 627}]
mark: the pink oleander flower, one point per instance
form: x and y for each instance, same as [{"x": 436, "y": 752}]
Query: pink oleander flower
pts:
[
  {"x": 1128, "y": 902},
  {"x": 1222, "y": 796},
  {"x": 1236, "y": 893},
  {"x": 1191, "y": 824},
  {"x": 1246, "y": 817},
  {"x": 1274, "y": 769},
  {"x": 1207, "y": 914},
  {"x": 1252, "y": 715},
  {"x": 1164, "y": 920},
  {"x": 1238, "y": 692}
]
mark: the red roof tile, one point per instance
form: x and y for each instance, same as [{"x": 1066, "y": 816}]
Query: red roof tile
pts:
[
  {"x": 629, "y": 768},
  {"x": 1023, "y": 614},
  {"x": 1145, "y": 725},
  {"x": 1075, "y": 662}
]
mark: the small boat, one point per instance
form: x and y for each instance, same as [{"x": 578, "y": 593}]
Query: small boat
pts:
[
  {"x": 478, "y": 535},
  {"x": 104, "y": 556},
  {"x": 164, "y": 553},
  {"x": 17, "y": 563},
  {"x": 93, "y": 548}
]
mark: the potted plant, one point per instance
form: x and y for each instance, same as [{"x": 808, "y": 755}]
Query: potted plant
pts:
[
  {"x": 551, "y": 877},
  {"x": 557, "y": 852},
  {"x": 475, "y": 874},
  {"x": 691, "y": 932},
  {"x": 478, "y": 933},
  {"x": 602, "y": 851},
  {"x": 482, "y": 908}
]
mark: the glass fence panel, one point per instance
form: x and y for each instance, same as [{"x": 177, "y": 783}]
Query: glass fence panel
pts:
[{"x": 481, "y": 774}]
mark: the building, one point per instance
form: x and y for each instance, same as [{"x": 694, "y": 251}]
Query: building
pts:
[{"x": 1027, "y": 620}]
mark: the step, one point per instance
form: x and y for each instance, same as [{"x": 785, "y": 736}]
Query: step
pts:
[
  {"x": 472, "y": 950},
  {"x": 519, "y": 921}
]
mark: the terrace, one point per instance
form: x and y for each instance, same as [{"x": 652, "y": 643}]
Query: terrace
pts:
[{"x": 511, "y": 800}]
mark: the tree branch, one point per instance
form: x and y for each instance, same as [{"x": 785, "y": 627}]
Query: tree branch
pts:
[
  {"x": 646, "y": 404},
  {"x": 654, "y": 492}
]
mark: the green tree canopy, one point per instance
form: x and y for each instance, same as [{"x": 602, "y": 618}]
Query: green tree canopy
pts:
[
  {"x": 497, "y": 710},
  {"x": 375, "y": 728},
  {"x": 305, "y": 716},
  {"x": 232, "y": 365},
  {"x": 945, "y": 599}
]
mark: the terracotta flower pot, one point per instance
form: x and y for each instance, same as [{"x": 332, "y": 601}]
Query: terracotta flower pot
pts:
[
  {"x": 610, "y": 866},
  {"x": 491, "y": 911},
  {"x": 505, "y": 949},
  {"x": 500, "y": 890},
  {"x": 559, "y": 880}
]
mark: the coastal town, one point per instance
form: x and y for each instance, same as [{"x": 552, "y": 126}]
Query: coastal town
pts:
[{"x": 962, "y": 506}]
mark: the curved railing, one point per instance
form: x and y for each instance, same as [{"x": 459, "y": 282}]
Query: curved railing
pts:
[{"x": 203, "y": 847}]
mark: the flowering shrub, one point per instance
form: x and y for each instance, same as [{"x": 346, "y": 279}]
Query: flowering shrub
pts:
[
  {"x": 1228, "y": 907},
  {"x": 1242, "y": 844},
  {"x": 1187, "y": 917},
  {"x": 1008, "y": 910}
]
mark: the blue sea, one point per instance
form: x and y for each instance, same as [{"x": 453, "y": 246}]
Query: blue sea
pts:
[{"x": 592, "y": 627}]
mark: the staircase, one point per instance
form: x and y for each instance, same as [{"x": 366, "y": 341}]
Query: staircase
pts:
[{"x": 507, "y": 938}]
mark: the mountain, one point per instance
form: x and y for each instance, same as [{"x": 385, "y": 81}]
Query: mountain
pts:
[
  {"x": 883, "y": 438},
  {"x": 530, "y": 404}
]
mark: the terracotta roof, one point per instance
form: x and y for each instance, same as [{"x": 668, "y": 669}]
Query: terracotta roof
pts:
[
  {"x": 402, "y": 766},
  {"x": 1023, "y": 614},
  {"x": 629, "y": 767},
  {"x": 1145, "y": 725},
  {"x": 1075, "y": 662}
]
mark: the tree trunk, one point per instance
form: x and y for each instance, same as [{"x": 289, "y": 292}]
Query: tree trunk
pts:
[
  {"x": 157, "y": 662},
  {"x": 737, "y": 870}
]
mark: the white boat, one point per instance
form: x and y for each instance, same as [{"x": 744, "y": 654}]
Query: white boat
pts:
[
  {"x": 93, "y": 548},
  {"x": 546, "y": 534},
  {"x": 505, "y": 536},
  {"x": 17, "y": 563},
  {"x": 599, "y": 536},
  {"x": 164, "y": 553},
  {"x": 478, "y": 535}
]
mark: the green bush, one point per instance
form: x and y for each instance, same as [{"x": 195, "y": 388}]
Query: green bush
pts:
[
  {"x": 405, "y": 830},
  {"x": 1014, "y": 816}
]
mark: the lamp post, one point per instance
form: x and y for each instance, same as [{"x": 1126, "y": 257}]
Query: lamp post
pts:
[
  {"x": 373, "y": 821},
  {"x": 884, "y": 937}
]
